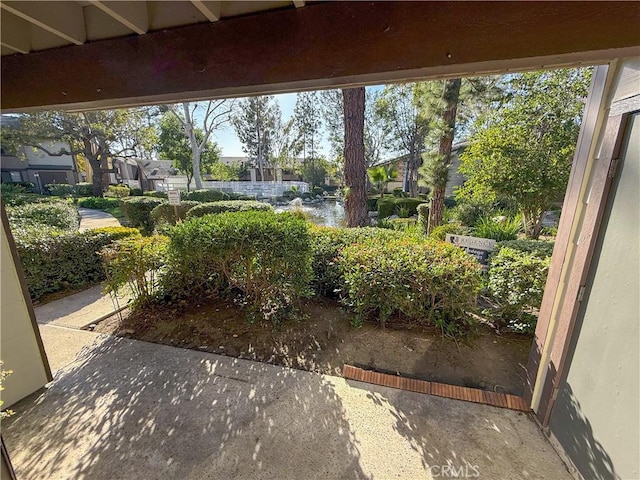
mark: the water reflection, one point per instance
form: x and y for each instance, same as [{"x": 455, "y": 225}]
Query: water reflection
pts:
[{"x": 328, "y": 213}]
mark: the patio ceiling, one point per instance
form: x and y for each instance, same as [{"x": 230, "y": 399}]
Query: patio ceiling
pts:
[
  {"x": 83, "y": 55},
  {"x": 30, "y": 26}
]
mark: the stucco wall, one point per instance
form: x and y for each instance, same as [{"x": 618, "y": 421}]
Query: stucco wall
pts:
[
  {"x": 595, "y": 417},
  {"x": 19, "y": 349}
]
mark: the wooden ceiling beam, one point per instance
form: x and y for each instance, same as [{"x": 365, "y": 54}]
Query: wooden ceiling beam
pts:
[
  {"x": 132, "y": 15},
  {"x": 64, "y": 19},
  {"x": 210, "y": 9},
  {"x": 324, "y": 45}
]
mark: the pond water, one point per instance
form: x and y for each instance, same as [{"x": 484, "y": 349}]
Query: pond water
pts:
[{"x": 328, "y": 213}]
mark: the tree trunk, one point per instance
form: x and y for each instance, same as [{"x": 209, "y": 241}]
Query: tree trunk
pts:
[
  {"x": 193, "y": 142},
  {"x": 355, "y": 167},
  {"x": 451, "y": 95}
]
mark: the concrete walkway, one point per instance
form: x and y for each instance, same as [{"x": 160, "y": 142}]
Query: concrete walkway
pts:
[
  {"x": 90, "y": 218},
  {"x": 80, "y": 309},
  {"x": 128, "y": 409}
]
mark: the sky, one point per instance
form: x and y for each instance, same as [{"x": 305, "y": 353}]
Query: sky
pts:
[{"x": 232, "y": 147}]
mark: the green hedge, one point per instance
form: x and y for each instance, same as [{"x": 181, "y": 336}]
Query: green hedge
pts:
[
  {"x": 516, "y": 283},
  {"x": 62, "y": 215},
  {"x": 60, "y": 189},
  {"x": 84, "y": 189},
  {"x": 388, "y": 206},
  {"x": 372, "y": 203},
  {"x": 263, "y": 256},
  {"x": 15, "y": 194},
  {"x": 425, "y": 282},
  {"x": 54, "y": 260},
  {"x": 99, "y": 203},
  {"x": 206, "y": 196},
  {"x": 227, "y": 206},
  {"x": 117, "y": 191},
  {"x": 138, "y": 211},
  {"x": 539, "y": 248},
  {"x": 166, "y": 214},
  {"x": 155, "y": 194},
  {"x": 326, "y": 245}
]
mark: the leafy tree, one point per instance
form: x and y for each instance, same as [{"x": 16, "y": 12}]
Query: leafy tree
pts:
[
  {"x": 255, "y": 122},
  {"x": 405, "y": 109},
  {"x": 205, "y": 117},
  {"x": 174, "y": 145},
  {"x": 449, "y": 101},
  {"x": 308, "y": 121},
  {"x": 98, "y": 136},
  {"x": 524, "y": 150},
  {"x": 285, "y": 144},
  {"x": 355, "y": 167},
  {"x": 315, "y": 172}
]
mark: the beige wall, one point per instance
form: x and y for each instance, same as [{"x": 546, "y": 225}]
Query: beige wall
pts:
[{"x": 19, "y": 349}]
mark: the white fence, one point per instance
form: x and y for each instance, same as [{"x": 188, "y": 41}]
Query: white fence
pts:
[{"x": 259, "y": 189}]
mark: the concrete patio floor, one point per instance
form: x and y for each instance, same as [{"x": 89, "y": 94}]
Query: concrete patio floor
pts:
[{"x": 126, "y": 409}]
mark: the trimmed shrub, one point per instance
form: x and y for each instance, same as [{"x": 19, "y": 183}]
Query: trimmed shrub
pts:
[
  {"x": 60, "y": 214},
  {"x": 326, "y": 245},
  {"x": 470, "y": 213},
  {"x": 84, "y": 189},
  {"x": 498, "y": 231},
  {"x": 135, "y": 262},
  {"x": 317, "y": 191},
  {"x": 372, "y": 204},
  {"x": 516, "y": 283},
  {"x": 423, "y": 217},
  {"x": 138, "y": 211},
  {"x": 426, "y": 282},
  {"x": 538, "y": 248},
  {"x": 155, "y": 194},
  {"x": 54, "y": 260},
  {"x": 166, "y": 214},
  {"x": 60, "y": 189},
  {"x": 388, "y": 206},
  {"x": 264, "y": 256},
  {"x": 117, "y": 191},
  {"x": 440, "y": 232},
  {"x": 117, "y": 233},
  {"x": 206, "y": 195},
  {"x": 227, "y": 206},
  {"x": 135, "y": 192},
  {"x": 99, "y": 203}
]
